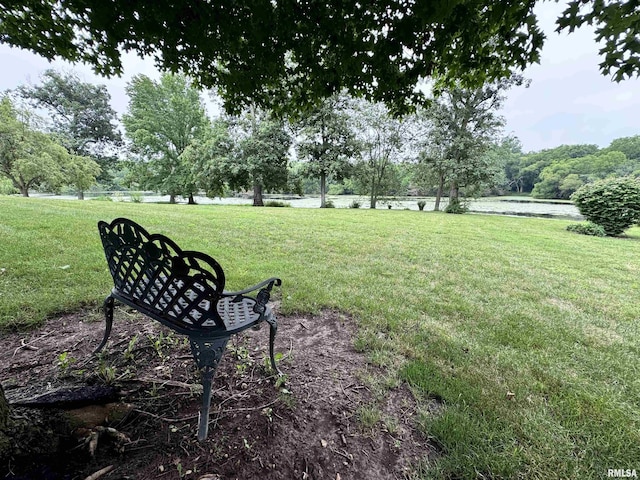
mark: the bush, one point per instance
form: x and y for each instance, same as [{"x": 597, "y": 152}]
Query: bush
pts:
[
  {"x": 587, "y": 228},
  {"x": 135, "y": 197},
  {"x": 613, "y": 203},
  {"x": 421, "y": 204},
  {"x": 456, "y": 207},
  {"x": 276, "y": 203},
  {"x": 103, "y": 198},
  {"x": 6, "y": 187},
  {"x": 329, "y": 204},
  {"x": 355, "y": 204}
]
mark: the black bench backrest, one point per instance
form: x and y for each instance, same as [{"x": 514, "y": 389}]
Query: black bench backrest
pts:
[{"x": 151, "y": 273}]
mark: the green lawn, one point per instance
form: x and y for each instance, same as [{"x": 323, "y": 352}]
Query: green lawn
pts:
[{"x": 463, "y": 308}]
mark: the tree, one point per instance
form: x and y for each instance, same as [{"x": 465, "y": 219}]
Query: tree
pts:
[
  {"x": 564, "y": 176},
  {"x": 381, "y": 140},
  {"x": 463, "y": 125},
  {"x": 530, "y": 166},
  {"x": 286, "y": 53},
  {"x": 80, "y": 172},
  {"x": 432, "y": 166},
  {"x": 82, "y": 116},
  {"x": 163, "y": 119},
  {"x": 30, "y": 158},
  {"x": 630, "y": 146},
  {"x": 207, "y": 156},
  {"x": 510, "y": 151},
  {"x": 290, "y": 54},
  {"x": 327, "y": 142},
  {"x": 260, "y": 157}
]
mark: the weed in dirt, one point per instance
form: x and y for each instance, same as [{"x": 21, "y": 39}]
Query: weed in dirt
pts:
[
  {"x": 162, "y": 341},
  {"x": 107, "y": 373},
  {"x": 390, "y": 425},
  {"x": 286, "y": 398},
  {"x": 128, "y": 353},
  {"x": 65, "y": 360},
  {"x": 182, "y": 472},
  {"x": 266, "y": 362},
  {"x": 281, "y": 381},
  {"x": 368, "y": 415}
]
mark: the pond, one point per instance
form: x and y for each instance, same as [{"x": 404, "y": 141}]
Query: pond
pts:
[{"x": 509, "y": 205}]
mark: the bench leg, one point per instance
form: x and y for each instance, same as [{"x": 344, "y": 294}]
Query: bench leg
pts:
[
  {"x": 108, "y": 315},
  {"x": 273, "y": 329},
  {"x": 207, "y": 354}
]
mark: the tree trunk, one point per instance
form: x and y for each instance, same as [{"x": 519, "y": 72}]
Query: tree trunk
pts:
[
  {"x": 192, "y": 201},
  {"x": 257, "y": 195},
  {"x": 44, "y": 423},
  {"x": 172, "y": 199},
  {"x": 80, "y": 195},
  {"x": 24, "y": 191},
  {"x": 323, "y": 181},
  {"x": 374, "y": 198},
  {"x": 454, "y": 194},
  {"x": 454, "y": 199},
  {"x": 5, "y": 443},
  {"x": 436, "y": 207}
]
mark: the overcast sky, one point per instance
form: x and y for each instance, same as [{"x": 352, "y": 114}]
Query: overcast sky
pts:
[{"x": 568, "y": 102}]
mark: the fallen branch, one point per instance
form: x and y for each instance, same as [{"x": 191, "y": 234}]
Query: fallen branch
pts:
[
  {"x": 249, "y": 409},
  {"x": 193, "y": 417},
  {"x": 170, "y": 383},
  {"x": 99, "y": 473},
  {"x": 345, "y": 454},
  {"x": 164, "y": 419},
  {"x": 28, "y": 346}
]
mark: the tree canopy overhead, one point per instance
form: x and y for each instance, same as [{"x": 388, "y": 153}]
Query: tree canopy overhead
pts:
[
  {"x": 287, "y": 52},
  {"x": 290, "y": 53}
]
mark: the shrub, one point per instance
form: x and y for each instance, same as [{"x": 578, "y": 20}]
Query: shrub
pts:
[
  {"x": 355, "y": 204},
  {"x": 6, "y": 187},
  {"x": 613, "y": 203},
  {"x": 456, "y": 207},
  {"x": 276, "y": 203},
  {"x": 103, "y": 198},
  {"x": 135, "y": 197},
  {"x": 329, "y": 204},
  {"x": 421, "y": 204},
  {"x": 587, "y": 228}
]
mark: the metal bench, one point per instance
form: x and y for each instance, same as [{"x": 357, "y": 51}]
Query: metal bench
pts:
[{"x": 183, "y": 290}]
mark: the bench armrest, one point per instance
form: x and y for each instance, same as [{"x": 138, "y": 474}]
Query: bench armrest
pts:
[
  {"x": 262, "y": 298},
  {"x": 267, "y": 283}
]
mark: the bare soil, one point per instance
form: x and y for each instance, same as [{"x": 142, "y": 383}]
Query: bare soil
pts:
[{"x": 324, "y": 421}]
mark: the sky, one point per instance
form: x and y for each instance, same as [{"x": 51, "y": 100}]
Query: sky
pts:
[{"x": 568, "y": 101}]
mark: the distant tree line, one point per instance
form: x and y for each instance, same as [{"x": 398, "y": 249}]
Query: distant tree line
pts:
[
  {"x": 454, "y": 146},
  {"x": 560, "y": 171}
]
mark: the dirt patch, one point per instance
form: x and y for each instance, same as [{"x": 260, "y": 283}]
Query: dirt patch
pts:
[{"x": 323, "y": 422}]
